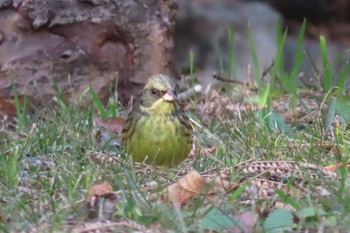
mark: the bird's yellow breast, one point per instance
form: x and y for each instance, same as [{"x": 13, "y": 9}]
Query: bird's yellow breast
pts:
[{"x": 159, "y": 140}]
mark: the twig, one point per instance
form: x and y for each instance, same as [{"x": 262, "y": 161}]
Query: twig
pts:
[
  {"x": 190, "y": 92},
  {"x": 225, "y": 79},
  {"x": 267, "y": 70}
]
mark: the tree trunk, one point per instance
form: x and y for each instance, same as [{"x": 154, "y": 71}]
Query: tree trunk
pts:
[{"x": 79, "y": 43}]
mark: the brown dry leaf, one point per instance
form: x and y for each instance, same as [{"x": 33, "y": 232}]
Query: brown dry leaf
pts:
[
  {"x": 102, "y": 206},
  {"x": 214, "y": 105},
  {"x": 152, "y": 185},
  {"x": 207, "y": 151},
  {"x": 219, "y": 106},
  {"x": 202, "y": 152},
  {"x": 113, "y": 124},
  {"x": 291, "y": 115},
  {"x": 181, "y": 191},
  {"x": 333, "y": 167},
  {"x": 101, "y": 201},
  {"x": 7, "y": 106},
  {"x": 99, "y": 189},
  {"x": 329, "y": 147},
  {"x": 105, "y": 157},
  {"x": 247, "y": 222},
  {"x": 8, "y": 113},
  {"x": 109, "y": 130}
]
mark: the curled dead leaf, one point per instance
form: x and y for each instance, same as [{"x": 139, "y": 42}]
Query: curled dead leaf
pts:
[
  {"x": 329, "y": 147},
  {"x": 333, "y": 167},
  {"x": 202, "y": 152},
  {"x": 99, "y": 189},
  {"x": 208, "y": 150},
  {"x": 7, "y": 106},
  {"x": 246, "y": 222},
  {"x": 291, "y": 115},
  {"x": 152, "y": 185},
  {"x": 109, "y": 130},
  {"x": 101, "y": 201},
  {"x": 113, "y": 124},
  {"x": 181, "y": 191}
]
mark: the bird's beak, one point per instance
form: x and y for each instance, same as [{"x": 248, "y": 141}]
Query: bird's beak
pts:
[{"x": 170, "y": 96}]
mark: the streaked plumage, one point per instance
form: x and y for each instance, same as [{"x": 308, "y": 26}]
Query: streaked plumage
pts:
[{"x": 157, "y": 130}]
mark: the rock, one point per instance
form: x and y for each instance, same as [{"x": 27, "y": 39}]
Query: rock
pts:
[
  {"x": 82, "y": 43},
  {"x": 202, "y": 27}
]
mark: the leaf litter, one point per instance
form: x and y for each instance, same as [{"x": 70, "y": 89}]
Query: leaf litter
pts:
[{"x": 213, "y": 185}]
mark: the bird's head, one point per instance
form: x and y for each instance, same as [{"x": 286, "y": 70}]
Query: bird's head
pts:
[{"x": 159, "y": 95}]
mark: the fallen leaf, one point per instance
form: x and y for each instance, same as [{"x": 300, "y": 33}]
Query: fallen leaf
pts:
[
  {"x": 291, "y": 115},
  {"x": 113, "y": 124},
  {"x": 329, "y": 147},
  {"x": 333, "y": 167},
  {"x": 99, "y": 189},
  {"x": 202, "y": 152},
  {"x": 152, "y": 185},
  {"x": 109, "y": 130},
  {"x": 181, "y": 191},
  {"x": 278, "y": 220},
  {"x": 247, "y": 220},
  {"x": 101, "y": 201},
  {"x": 7, "y": 106},
  {"x": 208, "y": 150}
]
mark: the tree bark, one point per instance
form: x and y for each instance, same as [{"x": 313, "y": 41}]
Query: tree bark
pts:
[{"x": 79, "y": 43}]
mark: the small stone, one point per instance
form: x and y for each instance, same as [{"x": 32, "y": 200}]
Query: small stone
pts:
[
  {"x": 66, "y": 53},
  {"x": 38, "y": 22},
  {"x": 96, "y": 20}
]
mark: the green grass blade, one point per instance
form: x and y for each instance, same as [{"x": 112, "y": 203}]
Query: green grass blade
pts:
[
  {"x": 342, "y": 78},
  {"x": 98, "y": 103},
  {"x": 267, "y": 89},
  {"x": 327, "y": 74},
  {"x": 191, "y": 60},
  {"x": 264, "y": 96},
  {"x": 113, "y": 108},
  {"x": 298, "y": 59},
  {"x": 59, "y": 94},
  {"x": 254, "y": 58},
  {"x": 330, "y": 114},
  {"x": 287, "y": 199},
  {"x": 219, "y": 55},
  {"x": 232, "y": 60},
  {"x": 15, "y": 95},
  {"x": 238, "y": 192},
  {"x": 20, "y": 110},
  {"x": 281, "y": 37}
]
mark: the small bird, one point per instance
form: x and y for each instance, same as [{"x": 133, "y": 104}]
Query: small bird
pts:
[{"x": 157, "y": 130}]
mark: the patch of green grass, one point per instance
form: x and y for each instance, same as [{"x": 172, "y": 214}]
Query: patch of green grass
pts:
[
  {"x": 46, "y": 168},
  {"x": 33, "y": 193},
  {"x": 21, "y": 108}
]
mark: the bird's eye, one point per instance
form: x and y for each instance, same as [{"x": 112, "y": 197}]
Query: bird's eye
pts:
[{"x": 154, "y": 91}]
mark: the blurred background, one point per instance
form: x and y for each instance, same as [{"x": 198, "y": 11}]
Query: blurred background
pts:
[
  {"x": 99, "y": 43},
  {"x": 203, "y": 27}
]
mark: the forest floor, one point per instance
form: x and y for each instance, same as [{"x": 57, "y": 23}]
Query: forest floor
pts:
[{"x": 252, "y": 169}]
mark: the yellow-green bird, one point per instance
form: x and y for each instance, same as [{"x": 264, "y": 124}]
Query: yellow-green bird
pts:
[{"x": 157, "y": 130}]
